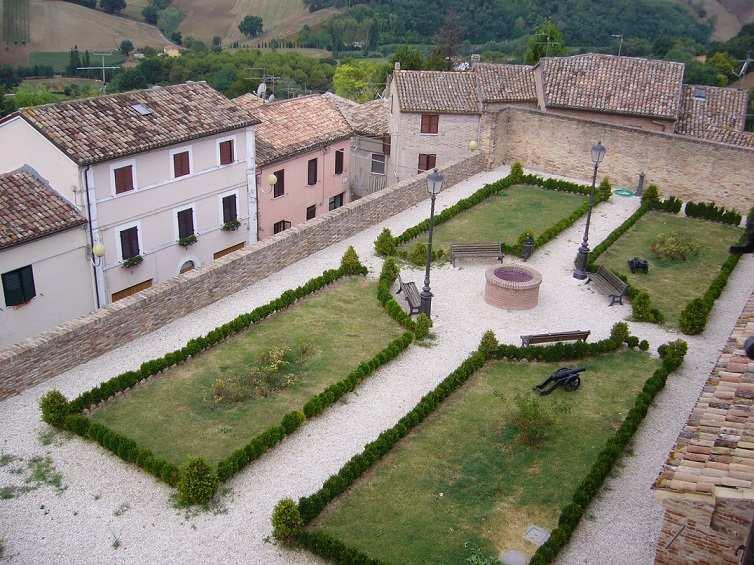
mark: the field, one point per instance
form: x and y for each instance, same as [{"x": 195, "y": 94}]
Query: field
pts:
[
  {"x": 502, "y": 217},
  {"x": 465, "y": 484},
  {"x": 178, "y": 416},
  {"x": 58, "y": 26},
  {"x": 281, "y": 18},
  {"x": 58, "y": 84},
  {"x": 134, "y": 8},
  {"x": 730, "y": 15},
  {"x": 58, "y": 60},
  {"x": 14, "y": 15},
  {"x": 671, "y": 284}
]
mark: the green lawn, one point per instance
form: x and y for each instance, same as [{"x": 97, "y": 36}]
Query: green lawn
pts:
[
  {"x": 502, "y": 217},
  {"x": 464, "y": 479},
  {"x": 671, "y": 284},
  {"x": 175, "y": 415}
]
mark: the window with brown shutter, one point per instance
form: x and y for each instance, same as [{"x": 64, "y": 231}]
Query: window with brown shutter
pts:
[
  {"x": 230, "y": 211},
  {"x": 426, "y": 162},
  {"x": 386, "y": 141},
  {"x": 226, "y": 152},
  {"x": 129, "y": 243},
  {"x": 311, "y": 177},
  {"x": 282, "y": 225},
  {"x": 311, "y": 212},
  {"x": 181, "y": 164},
  {"x": 185, "y": 223},
  {"x": 280, "y": 184},
  {"x": 124, "y": 179},
  {"x": 339, "y": 162},
  {"x": 430, "y": 123}
]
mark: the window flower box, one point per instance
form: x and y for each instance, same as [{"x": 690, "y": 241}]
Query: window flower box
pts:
[
  {"x": 232, "y": 225},
  {"x": 132, "y": 261},
  {"x": 188, "y": 240}
]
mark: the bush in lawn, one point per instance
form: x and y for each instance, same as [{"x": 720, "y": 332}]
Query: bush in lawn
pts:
[
  {"x": 619, "y": 332},
  {"x": 197, "y": 483},
  {"x": 286, "y": 519},
  {"x": 385, "y": 244},
  {"x": 489, "y": 344},
  {"x": 54, "y": 407},
  {"x": 418, "y": 255},
  {"x": 651, "y": 196},
  {"x": 422, "y": 325},
  {"x": 605, "y": 189},
  {"x": 517, "y": 171},
  {"x": 694, "y": 317},
  {"x": 641, "y": 304},
  {"x": 644, "y": 345},
  {"x": 533, "y": 419},
  {"x": 674, "y": 246},
  {"x": 350, "y": 263},
  {"x": 632, "y": 341}
]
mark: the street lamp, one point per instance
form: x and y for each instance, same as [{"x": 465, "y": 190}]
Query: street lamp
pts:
[
  {"x": 579, "y": 271},
  {"x": 434, "y": 186}
]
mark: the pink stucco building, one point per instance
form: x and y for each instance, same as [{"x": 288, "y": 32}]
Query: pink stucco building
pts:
[{"x": 304, "y": 144}]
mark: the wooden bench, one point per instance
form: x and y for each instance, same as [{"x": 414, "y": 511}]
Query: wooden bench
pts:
[
  {"x": 411, "y": 293},
  {"x": 461, "y": 250},
  {"x": 549, "y": 338},
  {"x": 609, "y": 283}
]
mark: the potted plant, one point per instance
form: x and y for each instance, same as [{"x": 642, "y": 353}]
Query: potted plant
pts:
[
  {"x": 132, "y": 261},
  {"x": 188, "y": 240},
  {"x": 231, "y": 225}
]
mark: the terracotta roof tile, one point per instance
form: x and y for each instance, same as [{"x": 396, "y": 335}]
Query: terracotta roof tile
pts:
[
  {"x": 107, "y": 127},
  {"x": 369, "y": 118},
  {"x": 705, "y": 107},
  {"x": 729, "y": 136},
  {"x": 30, "y": 209},
  {"x": 293, "y": 126},
  {"x": 608, "y": 83},
  {"x": 437, "y": 91},
  {"x": 693, "y": 465},
  {"x": 506, "y": 83}
]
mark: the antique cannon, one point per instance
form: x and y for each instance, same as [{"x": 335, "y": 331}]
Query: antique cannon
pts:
[
  {"x": 566, "y": 377},
  {"x": 638, "y": 264}
]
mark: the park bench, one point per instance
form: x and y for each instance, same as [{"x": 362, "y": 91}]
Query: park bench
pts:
[
  {"x": 549, "y": 338},
  {"x": 411, "y": 293},
  {"x": 461, "y": 250},
  {"x": 609, "y": 283}
]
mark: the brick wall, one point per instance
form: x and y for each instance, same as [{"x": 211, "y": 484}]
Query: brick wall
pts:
[
  {"x": 37, "y": 359},
  {"x": 688, "y": 168}
]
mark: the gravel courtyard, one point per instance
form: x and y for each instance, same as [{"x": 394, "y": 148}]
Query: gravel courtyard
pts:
[{"x": 110, "y": 511}]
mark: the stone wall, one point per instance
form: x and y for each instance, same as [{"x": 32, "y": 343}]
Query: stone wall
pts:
[
  {"x": 689, "y": 168},
  {"x": 36, "y": 359}
]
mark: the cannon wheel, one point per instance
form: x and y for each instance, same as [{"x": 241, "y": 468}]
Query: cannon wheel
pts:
[{"x": 572, "y": 384}]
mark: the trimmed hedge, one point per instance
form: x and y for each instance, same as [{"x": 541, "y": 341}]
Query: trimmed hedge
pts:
[
  {"x": 68, "y": 415},
  {"x": 311, "y": 506},
  {"x": 709, "y": 211},
  {"x": 386, "y": 244}
]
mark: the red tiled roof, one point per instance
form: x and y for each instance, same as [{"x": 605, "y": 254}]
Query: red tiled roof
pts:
[
  {"x": 369, "y": 118},
  {"x": 612, "y": 84},
  {"x": 716, "y": 446},
  {"x": 297, "y": 125},
  {"x": 705, "y": 107},
  {"x": 107, "y": 127},
  {"x": 729, "y": 136},
  {"x": 29, "y": 209},
  {"x": 437, "y": 91},
  {"x": 506, "y": 83}
]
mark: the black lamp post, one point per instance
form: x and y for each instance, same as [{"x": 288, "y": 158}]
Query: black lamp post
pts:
[
  {"x": 434, "y": 186},
  {"x": 579, "y": 271}
]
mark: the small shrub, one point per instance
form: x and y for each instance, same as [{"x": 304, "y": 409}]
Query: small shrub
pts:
[
  {"x": 673, "y": 350},
  {"x": 390, "y": 269},
  {"x": 644, "y": 345},
  {"x": 674, "y": 247},
  {"x": 533, "y": 419},
  {"x": 489, "y": 344},
  {"x": 286, "y": 519},
  {"x": 694, "y": 317},
  {"x": 350, "y": 263},
  {"x": 632, "y": 341},
  {"x": 197, "y": 483},
  {"x": 54, "y": 407},
  {"x": 418, "y": 254},
  {"x": 619, "y": 332},
  {"x": 292, "y": 421},
  {"x": 517, "y": 171},
  {"x": 671, "y": 205},
  {"x": 605, "y": 189},
  {"x": 651, "y": 196},
  {"x": 422, "y": 324},
  {"x": 641, "y": 305},
  {"x": 385, "y": 244}
]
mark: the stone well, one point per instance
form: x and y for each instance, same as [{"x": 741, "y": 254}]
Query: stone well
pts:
[{"x": 513, "y": 287}]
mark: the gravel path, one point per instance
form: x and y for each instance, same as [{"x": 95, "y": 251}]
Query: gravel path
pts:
[{"x": 80, "y": 524}]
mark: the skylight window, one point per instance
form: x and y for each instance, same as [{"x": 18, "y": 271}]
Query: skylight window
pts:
[
  {"x": 699, "y": 93},
  {"x": 142, "y": 109}
]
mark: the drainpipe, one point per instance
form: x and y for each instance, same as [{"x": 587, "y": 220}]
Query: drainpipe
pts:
[{"x": 91, "y": 235}]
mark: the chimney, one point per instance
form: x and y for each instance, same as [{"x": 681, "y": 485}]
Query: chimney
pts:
[
  {"x": 397, "y": 65},
  {"x": 476, "y": 58}
]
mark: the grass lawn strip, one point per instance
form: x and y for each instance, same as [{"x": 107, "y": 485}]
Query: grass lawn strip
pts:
[
  {"x": 672, "y": 284},
  {"x": 175, "y": 415},
  {"x": 464, "y": 480}
]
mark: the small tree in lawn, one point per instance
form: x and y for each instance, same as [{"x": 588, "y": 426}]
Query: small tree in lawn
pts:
[
  {"x": 112, "y": 6},
  {"x": 126, "y": 47},
  {"x": 251, "y": 26}
]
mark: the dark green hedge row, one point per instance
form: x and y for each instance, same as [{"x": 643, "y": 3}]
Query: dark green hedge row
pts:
[
  {"x": 605, "y": 244},
  {"x": 672, "y": 356},
  {"x": 709, "y": 211},
  {"x": 387, "y": 279},
  {"x": 311, "y": 506}
]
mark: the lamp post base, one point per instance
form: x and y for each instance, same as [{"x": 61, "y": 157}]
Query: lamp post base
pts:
[
  {"x": 579, "y": 271},
  {"x": 425, "y": 306}
]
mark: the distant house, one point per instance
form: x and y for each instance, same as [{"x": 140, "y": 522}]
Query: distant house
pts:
[
  {"x": 164, "y": 176},
  {"x": 45, "y": 271},
  {"x": 304, "y": 144},
  {"x": 171, "y": 51}
]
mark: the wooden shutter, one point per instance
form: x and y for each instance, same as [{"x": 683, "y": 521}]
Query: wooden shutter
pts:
[
  {"x": 280, "y": 184},
  {"x": 431, "y": 161},
  {"x": 386, "y": 141},
  {"x": 434, "y": 123},
  {"x": 312, "y": 172},
  {"x": 311, "y": 212},
  {"x": 425, "y": 123},
  {"x": 339, "y": 162},
  {"x": 230, "y": 213},
  {"x": 185, "y": 223},
  {"x": 226, "y": 152},
  {"x": 129, "y": 242},
  {"x": 18, "y": 286},
  {"x": 422, "y": 163},
  {"x": 181, "y": 165},
  {"x": 124, "y": 179}
]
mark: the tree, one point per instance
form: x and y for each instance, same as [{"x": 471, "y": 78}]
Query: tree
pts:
[
  {"x": 251, "y": 26},
  {"x": 126, "y": 47},
  {"x": 359, "y": 80},
  {"x": 546, "y": 41},
  {"x": 448, "y": 38},
  {"x": 74, "y": 62},
  {"x": 176, "y": 37},
  {"x": 112, "y": 6},
  {"x": 6, "y": 103},
  {"x": 130, "y": 79},
  {"x": 28, "y": 95},
  {"x": 217, "y": 43},
  {"x": 150, "y": 14},
  {"x": 409, "y": 57}
]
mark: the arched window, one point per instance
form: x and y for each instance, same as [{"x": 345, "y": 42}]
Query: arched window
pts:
[{"x": 187, "y": 266}]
